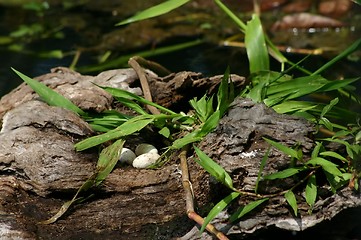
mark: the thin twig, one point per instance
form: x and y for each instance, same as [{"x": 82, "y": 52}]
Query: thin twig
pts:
[
  {"x": 189, "y": 196},
  {"x": 144, "y": 83}
]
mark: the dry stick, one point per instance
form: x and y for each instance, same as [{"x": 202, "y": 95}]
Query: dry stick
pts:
[
  {"x": 190, "y": 197},
  {"x": 144, "y": 83}
]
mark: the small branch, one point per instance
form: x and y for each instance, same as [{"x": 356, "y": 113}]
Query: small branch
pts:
[
  {"x": 144, "y": 83},
  {"x": 189, "y": 196}
]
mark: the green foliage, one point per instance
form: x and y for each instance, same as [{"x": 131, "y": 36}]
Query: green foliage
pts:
[
  {"x": 48, "y": 95},
  {"x": 213, "y": 168},
  {"x": 219, "y": 207},
  {"x": 246, "y": 209},
  {"x": 276, "y": 89},
  {"x": 155, "y": 11},
  {"x": 256, "y": 47},
  {"x": 311, "y": 191},
  {"x": 291, "y": 199}
]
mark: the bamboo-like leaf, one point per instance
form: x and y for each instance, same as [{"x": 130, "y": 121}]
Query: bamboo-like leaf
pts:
[
  {"x": 326, "y": 165},
  {"x": 108, "y": 157},
  {"x": 256, "y": 46},
  {"x": 294, "y": 106},
  {"x": 155, "y": 11},
  {"x": 210, "y": 124},
  {"x": 107, "y": 160},
  {"x": 291, "y": 199},
  {"x": 213, "y": 168},
  {"x": 218, "y": 208},
  {"x": 284, "y": 173},
  {"x": 225, "y": 94},
  {"x": 246, "y": 209},
  {"x": 191, "y": 137},
  {"x": 120, "y": 93},
  {"x": 316, "y": 150},
  {"x": 289, "y": 151},
  {"x": 262, "y": 165},
  {"x": 48, "y": 95},
  {"x": 131, "y": 126},
  {"x": 354, "y": 47},
  {"x": 328, "y": 107},
  {"x": 334, "y": 155},
  {"x": 311, "y": 191}
]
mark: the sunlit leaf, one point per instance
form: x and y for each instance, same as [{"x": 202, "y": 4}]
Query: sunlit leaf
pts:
[
  {"x": 131, "y": 126},
  {"x": 213, "y": 168},
  {"x": 316, "y": 150},
  {"x": 311, "y": 191},
  {"x": 218, "y": 208},
  {"x": 328, "y": 107},
  {"x": 256, "y": 45},
  {"x": 48, "y": 95},
  {"x": 191, "y": 137},
  {"x": 120, "y": 93},
  {"x": 352, "y": 48},
  {"x": 210, "y": 124},
  {"x": 289, "y": 151},
  {"x": 291, "y": 199},
  {"x": 284, "y": 173},
  {"x": 155, "y": 11},
  {"x": 108, "y": 157},
  {"x": 326, "y": 165},
  {"x": 246, "y": 209},
  {"x": 164, "y": 132},
  {"x": 334, "y": 155}
]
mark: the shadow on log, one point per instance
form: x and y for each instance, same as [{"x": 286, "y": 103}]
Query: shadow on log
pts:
[{"x": 40, "y": 170}]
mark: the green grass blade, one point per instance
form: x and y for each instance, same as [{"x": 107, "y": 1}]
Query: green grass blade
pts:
[
  {"x": 120, "y": 93},
  {"x": 246, "y": 209},
  {"x": 354, "y": 47},
  {"x": 327, "y": 166},
  {"x": 123, "y": 60},
  {"x": 191, "y": 137},
  {"x": 155, "y": 11},
  {"x": 219, "y": 208},
  {"x": 289, "y": 151},
  {"x": 48, "y": 95},
  {"x": 131, "y": 126},
  {"x": 108, "y": 157},
  {"x": 213, "y": 168},
  {"x": 291, "y": 199},
  {"x": 284, "y": 173},
  {"x": 311, "y": 191},
  {"x": 233, "y": 16},
  {"x": 210, "y": 124},
  {"x": 256, "y": 47}
]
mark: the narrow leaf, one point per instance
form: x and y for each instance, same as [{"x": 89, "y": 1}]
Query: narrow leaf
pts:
[
  {"x": 284, "y": 173},
  {"x": 131, "y": 126},
  {"x": 48, "y": 95},
  {"x": 213, "y": 168},
  {"x": 291, "y": 199},
  {"x": 256, "y": 45},
  {"x": 289, "y": 151},
  {"x": 218, "y": 208},
  {"x": 108, "y": 157},
  {"x": 246, "y": 209},
  {"x": 155, "y": 11},
  {"x": 311, "y": 191}
]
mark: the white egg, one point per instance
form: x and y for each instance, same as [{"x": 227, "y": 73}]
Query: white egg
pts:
[
  {"x": 127, "y": 156},
  {"x": 145, "y": 148},
  {"x": 145, "y": 160}
]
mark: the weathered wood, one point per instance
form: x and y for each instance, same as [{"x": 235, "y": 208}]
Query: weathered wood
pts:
[{"x": 39, "y": 169}]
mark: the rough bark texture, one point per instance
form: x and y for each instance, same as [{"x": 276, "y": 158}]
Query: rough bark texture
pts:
[{"x": 39, "y": 169}]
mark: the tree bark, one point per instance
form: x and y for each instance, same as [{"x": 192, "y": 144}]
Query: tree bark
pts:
[{"x": 40, "y": 170}]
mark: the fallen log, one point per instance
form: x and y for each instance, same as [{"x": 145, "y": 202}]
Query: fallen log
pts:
[{"x": 40, "y": 170}]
